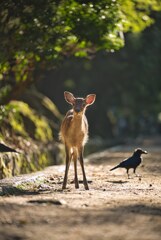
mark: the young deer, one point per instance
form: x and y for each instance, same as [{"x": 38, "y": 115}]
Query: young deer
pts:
[{"x": 74, "y": 134}]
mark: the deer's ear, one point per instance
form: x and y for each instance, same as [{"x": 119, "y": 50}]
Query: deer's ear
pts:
[
  {"x": 69, "y": 97},
  {"x": 90, "y": 99}
]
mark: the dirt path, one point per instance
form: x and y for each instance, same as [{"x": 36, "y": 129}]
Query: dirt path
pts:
[{"x": 114, "y": 208}]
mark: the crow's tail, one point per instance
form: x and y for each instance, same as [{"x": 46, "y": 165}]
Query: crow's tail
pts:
[
  {"x": 4, "y": 148},
  {"x": 115, "y": 167}
]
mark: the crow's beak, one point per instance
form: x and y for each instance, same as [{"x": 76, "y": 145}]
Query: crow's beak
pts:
[{"x": 145, "y": 152}]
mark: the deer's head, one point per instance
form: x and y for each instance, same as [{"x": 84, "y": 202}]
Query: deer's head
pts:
[{"x": 79, "y": 104}]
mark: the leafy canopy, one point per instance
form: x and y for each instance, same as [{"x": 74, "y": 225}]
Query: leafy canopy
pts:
[{"x": 39, "y": 34}]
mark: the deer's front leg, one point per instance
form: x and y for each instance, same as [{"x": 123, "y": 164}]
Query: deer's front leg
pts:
[
  {"x": 83, "y": 170},
  {"x": 68, "y": 160},
  {"x": 75, "y": 157}
]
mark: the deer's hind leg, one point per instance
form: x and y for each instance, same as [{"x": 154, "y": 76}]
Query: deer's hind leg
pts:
[{"x": 83, "y": 170}]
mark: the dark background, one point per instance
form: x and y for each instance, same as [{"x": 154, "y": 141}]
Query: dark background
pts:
[{"x": 127, "y": 84}]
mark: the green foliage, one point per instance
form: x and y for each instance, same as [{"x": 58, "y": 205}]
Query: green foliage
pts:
[
  {"x": 136, "y": 15},
  {"x": 38, "y": 34},
  {"x": 25, "y": 121}
]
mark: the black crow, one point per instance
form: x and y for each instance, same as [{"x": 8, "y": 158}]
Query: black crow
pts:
[
  {"x": 131, "y": 162},
  {"x": 4, "y": 148}
]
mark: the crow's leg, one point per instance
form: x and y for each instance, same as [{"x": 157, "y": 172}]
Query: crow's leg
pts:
[
  {"x": 128, "y": 175},
  {"x": 137, "y": 175}
]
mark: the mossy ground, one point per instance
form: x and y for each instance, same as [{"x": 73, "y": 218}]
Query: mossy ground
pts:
[{"x": 31, "y": 131}]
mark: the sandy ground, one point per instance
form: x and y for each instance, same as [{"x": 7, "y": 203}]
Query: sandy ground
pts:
[{"x": 115, "y": 207}]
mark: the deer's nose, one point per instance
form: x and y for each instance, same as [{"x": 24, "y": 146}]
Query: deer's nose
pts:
[{"x": 77, "y": 110}]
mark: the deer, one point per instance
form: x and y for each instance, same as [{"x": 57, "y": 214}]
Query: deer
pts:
[{"x": 74, "y": 134}]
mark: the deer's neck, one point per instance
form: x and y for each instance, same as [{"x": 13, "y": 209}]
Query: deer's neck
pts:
[{"x": 78, "y": 119}]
